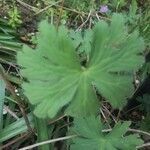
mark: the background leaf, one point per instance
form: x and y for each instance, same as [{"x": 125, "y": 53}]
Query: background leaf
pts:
[
  {"x": 90, "y": 136},
  {"x": 15, "y": 128}
]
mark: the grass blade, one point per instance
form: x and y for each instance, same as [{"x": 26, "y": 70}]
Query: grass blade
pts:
[{"x": 2, "y": 96}]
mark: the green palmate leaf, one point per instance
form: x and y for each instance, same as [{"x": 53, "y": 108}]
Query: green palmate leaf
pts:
[
  {"x": 82, "y": 41},
  {"x": 57, "y": 79},
  {"x": 90, "y": 136}
]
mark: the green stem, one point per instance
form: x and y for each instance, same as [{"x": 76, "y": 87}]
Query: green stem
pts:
[
  {"x": 2, "y": 96},
  {"x": 42, "y": 132}
]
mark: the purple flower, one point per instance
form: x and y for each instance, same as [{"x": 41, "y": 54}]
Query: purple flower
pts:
[{"x": 103, "y": 9}]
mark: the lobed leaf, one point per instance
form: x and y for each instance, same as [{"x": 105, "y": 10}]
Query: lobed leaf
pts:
[
  {"x": 90, "y": 136},
  {"x": 57, "y": 79}
]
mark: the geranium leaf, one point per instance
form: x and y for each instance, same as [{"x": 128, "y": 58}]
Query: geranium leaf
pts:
[
  {"x": 82, "y": 41},
  {"x": 114, "y": 59},
  {"x": 90, "y": 136},
  {"x": 57, "y": 79}
]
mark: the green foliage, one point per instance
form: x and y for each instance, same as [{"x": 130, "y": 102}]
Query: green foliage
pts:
[
  {"x": 90, "y": 136},
  {"x": 133, "y": 16},
  {"x": 15, "y": 128},
  {"x": 2, "y": 97},
  {"x": 41, "y": 125},
  {"x": 9, "y": 44},
  {"x": 145, "y": 107},
  {"x": 117, "y": 4},
  {"x": 145, "y": 26},
  {"x": 82, "y": 41},
  {"x": 14, "y": 17},
  {"x": 145, "y": 70},
  {"x": 68, "y": 70},
  {"x": 145, "y": 100},
  {"x": 57, "y": 79},
  {"x": 84, "y": 5},
  {"x": 139, "y": 18},
  {"x": 145, "y": 123}
]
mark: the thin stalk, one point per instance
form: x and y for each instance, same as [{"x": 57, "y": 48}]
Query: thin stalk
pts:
[
  {"x": 2, "y": 96},
  {"x": 42, "y": 132},
  {"x": 49, "y": 141}
]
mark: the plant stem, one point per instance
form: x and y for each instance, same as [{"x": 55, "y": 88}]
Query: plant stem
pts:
[
  {"x": 42, "y": 132},
  {"x": 2, "y": 96}
]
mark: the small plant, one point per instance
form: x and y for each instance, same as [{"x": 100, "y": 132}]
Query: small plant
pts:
[
  {"x": 14, "y": 17},
  {"x": 82, "y": 83},
  {"x": 60, "y": 80}
]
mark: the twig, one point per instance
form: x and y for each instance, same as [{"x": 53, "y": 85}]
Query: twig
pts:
[
  {"x": 65, "y": 125},
  {"x": 139, "y": 131},
  {"x": 53, "y": 121},
  {"x": 27, "y": 6},
  {"x": 90, "y": 23},
  {"x": 101, "y": 17},
  {"x": 72, "y": 10},
  {"x": 105, "y": 118},
  {"x": 89, "y": 15},
  {"x": 106, "y": 130},
  {"x": 131, "y": 109},
  {"x": 47, "y": 7},
  {"x": 24, "y": 137},
  {"x": 6, "y": 108},
  {"x": 49, "y": 141},
  {"x": 82, "y": 13},
  {"x": 144, "y": 145},
  {"x": 97, "y": 16},
  {"x": 130, "y": 130},
  {"x": 105, "y": 108}
]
